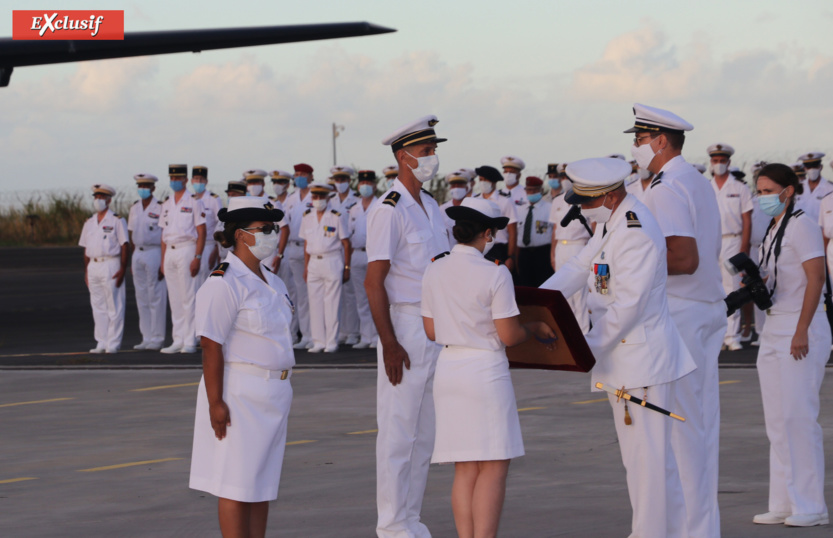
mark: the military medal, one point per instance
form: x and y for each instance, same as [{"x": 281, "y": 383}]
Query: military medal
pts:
[{"x": 602, "y": 272}]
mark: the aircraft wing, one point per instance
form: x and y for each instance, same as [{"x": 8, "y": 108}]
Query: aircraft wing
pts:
[{"x": 17, "y": 53}]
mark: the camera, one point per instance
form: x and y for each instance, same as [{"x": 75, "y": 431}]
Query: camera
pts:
[{"x": 753, "y": 288}]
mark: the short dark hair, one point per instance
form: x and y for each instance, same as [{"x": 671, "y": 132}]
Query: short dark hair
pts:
[
  {"x": 783, "y": 175},
  {"x": 676, "y": 139},
  {"x": 226, "y": 236},
  {"x": 465, "y": 231}
]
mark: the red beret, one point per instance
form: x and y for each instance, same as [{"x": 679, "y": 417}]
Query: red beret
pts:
[
  {"x": 303, "y": 167},
  {"x": 532, "y": 181}
]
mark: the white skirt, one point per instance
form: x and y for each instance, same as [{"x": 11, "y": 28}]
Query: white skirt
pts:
[
  {"x": 477, "y": 416},
  {"x": 246, "y": 465}
]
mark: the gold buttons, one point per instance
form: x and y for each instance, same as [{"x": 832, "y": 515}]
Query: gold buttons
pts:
[{"x": 623, "y": 340}]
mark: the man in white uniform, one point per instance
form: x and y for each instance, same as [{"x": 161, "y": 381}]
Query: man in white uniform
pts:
[
  {"x": 405, "y": 231},
  {"x": 636, "y": 344},
  {"x": 535, "y": 236},
  {"x": 358, "y": 263},
  {"x": 505, "y": 249},
  {"x": 390, "y": 173},
  {"x": 458, "y": 189},
  {"x": 280, "y": 186},
  {"x": 183, "y": 241},
  {"x": 104, "y": 238},
  {"x": 816, "y": 187},
  {"x": 212, "y": 204},
  {"x": 146, "y": 251},
  {"x": 342, "y": 201},
  {"x": 234, "y": 189},
  {"x": 685, "y": 207},
  {"x": 512, "y": 167},
  {"x": 326, "y": 236},
  {"x": 296, "y": 205},
  {"x": 639, "y": 182},
  {"x": 734, "y": 200}
]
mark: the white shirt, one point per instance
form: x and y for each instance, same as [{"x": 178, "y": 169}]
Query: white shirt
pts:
[
  {"x": 398, "y": 230},
  {"x": 179, "y": 221},
  {"x": 507, "y": 209},
  {"x": 802, "y": 241},
  {"x": 295, "y": 209},
  {"x": 733, "y": 200},
  {"x": 358, "y": 224},
  {"x": 248, "y": 316},
  {"x": 449, "y": 222},
  {"x": 143, "y": 223},
  {"x": 634, "y": 186},
  {"x": 103, "y": 238},
  {"x": 343, "y": 206},
  {"x": 464, "y": 309},
  {"x": 811, "y": 201},
  {"x": 517, "y": 195},
  {"x": 212, "y": 204},
  {"x": 684, "y": 205},
  {"x": 541, "y": 231},
  {"x": 324, "y": 236},
  {"x": 575, "y": 231},
  {"x": 826, "y": 216}
]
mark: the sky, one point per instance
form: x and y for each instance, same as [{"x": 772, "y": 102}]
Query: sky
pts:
[{"x": 548, "y": 81}]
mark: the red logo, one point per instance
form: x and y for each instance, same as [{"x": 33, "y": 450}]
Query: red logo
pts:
[{"x": 68, "y": 25}]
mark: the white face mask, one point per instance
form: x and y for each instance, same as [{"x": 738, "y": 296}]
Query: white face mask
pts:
[
  {"x": 510, "y": 178},
  {"x": 319, "y": 205},
  {"x": 718, "y": 169},
  {"x": 643, "y": 155},
  {"x": 426, "y": 167},
  {"x": 486, "y": 187},
  {"x": 489, "y": 244},
  {"x": 643, "y": 173},
  {"x": 389, "y": 183},
  {"x": 99, "y": 204},
  {"x": 279, "y": 189},
  {"x": 813, "y": 174},
  {"x": 342, "y": 187},
  {"x": 265, "y": 244},
  {"x": 599, "y": 214},
  {"x": 254, "y": 190},
  {"x": 458, "y": 193}
]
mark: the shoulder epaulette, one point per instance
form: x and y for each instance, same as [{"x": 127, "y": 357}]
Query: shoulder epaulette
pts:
[
  {"x": 392, "y": 199},
  {"x": 438, "y": 256},
  {"x": 334, "y": 212},
  {"x": 504, "y": 194},
  {"x": 428, "y": 193},
  {"x": 826, "y": 195},
  {"x": 220, "y": 270},
  {"x": 214, "y": 195},
  {"x": 165, "y": 199},
  {"x": 307, "y": 212},
  {"x": 656, "y": 181},
  {"x": 137, "y": 201},
  {"x": 633, "y": 220},
  {"x": 798, "y": 213}
]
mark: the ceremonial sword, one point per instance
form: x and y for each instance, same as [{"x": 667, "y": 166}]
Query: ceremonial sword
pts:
[{"x": 620, "y": 393}]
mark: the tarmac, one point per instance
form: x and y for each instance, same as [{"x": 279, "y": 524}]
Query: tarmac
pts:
[{"x": 99, "y": 445}]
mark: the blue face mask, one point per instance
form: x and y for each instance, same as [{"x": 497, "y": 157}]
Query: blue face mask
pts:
[
  {"x": 554, "y": 183},
  {"x": 366, "y": 191},
  {"x": 199, "y": 188},
  {"x": 144, "y": 194},
  {"x": 301, "y": 182},
  {"x": 177, "y": 185},
  {"x": 534, "y": 198},
  {"x": 771, "y": 204}
]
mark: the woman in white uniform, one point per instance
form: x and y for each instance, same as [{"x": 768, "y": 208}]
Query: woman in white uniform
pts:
[
  {"x": 795, "y": 345},
  {"x": 243, "y": 314},
  {"x": 468, "y": 306}
]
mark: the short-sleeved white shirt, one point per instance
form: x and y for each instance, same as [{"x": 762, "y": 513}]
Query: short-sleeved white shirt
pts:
[
  {"x": 449, "y": 222},
  {"x": 358, "y": 224},
  {"x": 810, "y": 202},
  {"x": 325, "y": 235},
  {"x": 212, "y": 204},
  {"x": 401, "y": 232},
  {"x": 344, "y": 206},
  {"x": 733, "y": 200},
  {"x": 575, "y": 231},
  {"x": 802, "y": 241},
  {"x": 507, "y": 209},
  {"x": 464, "y": 293},
  {"x": 517, "y": 195},
  {"x": 634, "y": 186},
  {"x": 180, "y": 219},
  {"x": 541, "y": 232},
  {"x": 103, "y": 238},
  {"x": 143, "y": 223},
  {"x": 249, "y": 317},
  {"x": 295, "y": 209},
  {"x": 826, "y": 216}
]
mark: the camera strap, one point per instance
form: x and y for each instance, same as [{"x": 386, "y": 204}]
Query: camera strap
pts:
[{"x": 775, "y": 244}]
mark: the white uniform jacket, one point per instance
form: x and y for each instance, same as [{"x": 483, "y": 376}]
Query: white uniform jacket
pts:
[
  {"x": 144, "y": 224},
  {"x": 810, "y": 202},
  {"x": 633, "y": 338}
]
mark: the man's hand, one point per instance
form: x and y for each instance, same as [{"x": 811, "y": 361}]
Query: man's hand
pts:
[
  {"x": 394, "y": 356},
  {"x": 195, "y": 267},
  {"x": 345, "y": 276},
  {"x": 220, "y": 418},
  {"x": 119, "y": 277},
  {"x": 161, "y": 274}
]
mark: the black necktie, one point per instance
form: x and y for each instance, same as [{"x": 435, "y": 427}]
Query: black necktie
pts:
[
  {"x": 527, "y": 239},
  {"x": 604, "y": 230}
]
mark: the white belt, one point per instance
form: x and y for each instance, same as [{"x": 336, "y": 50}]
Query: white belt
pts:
[
  {"x": 258, "y": 371},
  {"x": 571, "y": 241},
  {"x": 148, "y": 247},
  {"x": 103, "y": 258},
  {"x": 731, "y": 235},
  {"x": 407, "y": 308},
  {"x": 325, "y": 254},
  {"x": 182, "y": 245}
]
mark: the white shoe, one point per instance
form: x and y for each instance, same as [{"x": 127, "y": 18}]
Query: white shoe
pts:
[
  {"x": 806, "y": 520},
  {"x": 330, "y": 349},
  {"x": 361, "y": 345},
  {"x": 746, "y": 338},
  {"x": 173, "y": 348},
  {"x": 352, "y": 340},
  {"x": 140, "y": 346},
  {"x": 302, "y": 344},
  {"x": 735, "y": 346},
  {"x": 153, "y": 347},
  {"x": 98, "y": 350},
  {"x": 372, "y": 345},
  {"x": 757, "y": 342},
  {"x": 112, "y": 350},
  {"x": 188, "y": 349},
  {"x": 771, "y": 518},
  {"x": 316, "y": 349}
]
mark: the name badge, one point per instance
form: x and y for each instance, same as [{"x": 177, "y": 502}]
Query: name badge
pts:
[
  {"x": 107, "y": 229},
  {"x": 186, "y": 210},
  {"x": 602, "y": 272}
]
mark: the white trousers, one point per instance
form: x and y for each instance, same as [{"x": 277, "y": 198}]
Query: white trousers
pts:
[
  {"x": 205, "y": 268},
  {"x": 760, "y": 315},
  {"x": 696, "y": 442},
  {"x": 107, "y": 302},
  {"x": 348, "y": 315},
  {"x": 182, "y": 292},
  {"x": 151, "y": 294},
  {"x": 358, "y": 272},
  {"x": 405, "y": 417},
  {"x": 578, "y": 301},
  {"x": 285, "y": 274},
  {"x": 729, "y": 247},
  {"x": 324, "y": 288},
  {"x": 653, "y": 481},
  {"x": 295, "y": 257},
  {"x": 790, "y": 392}
]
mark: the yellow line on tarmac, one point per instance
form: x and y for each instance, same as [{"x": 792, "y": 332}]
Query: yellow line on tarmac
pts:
[
  {"x": 590, "y": 401},
  {"x": 301, "y": 442},
  {"x": 36, "y": 402},
  {"x": 65, "y": 354},
  {"x": 166, "y": 387},
  {"x": 11, "y": 480},
  {"x": 362, "y": 432},
  {"x": 730, "y": 382},
  {"x": 122, "y": 465},
  {"x": 530, "y": 408}
]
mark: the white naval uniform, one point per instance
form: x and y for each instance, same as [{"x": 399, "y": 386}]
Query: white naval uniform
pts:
[
  {"x": 324, "y": 272},
  {"x": 826, "y": 223},
  {"x": 212, "y": 204},
  {"x": 358, "y": 270},
  {"x": 102, "y": 243},
  {"x": 474, "y": 401},
  {"x": 637, "y": 346},
  {"x": 760, "y": 222},
  {"x": 507, "y": 209},
  {"x": 250, "y": 318},
  {"x": 179, "y": 222},
  {"x": 733, "y": 200},
  {"x": 151, "y": 293},
  {"x": 294, "y": 256},
  {"x": 449, "y": 222},
  {"x": 811, "y": 201},
  {"x": 568, "y": 242},
  {"x": 348, "y": 316},
  {"x": 684, "y": 205},
  {"x": 634, "y": 186},
  {"x": 400, "y": 232},
  {"x": 790, "y": 388}
]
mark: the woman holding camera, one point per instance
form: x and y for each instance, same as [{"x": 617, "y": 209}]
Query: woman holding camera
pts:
[{"x": 795, "y": 346}]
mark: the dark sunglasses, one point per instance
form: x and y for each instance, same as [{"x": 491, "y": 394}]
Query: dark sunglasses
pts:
[{"x": 266, "y": 228}]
